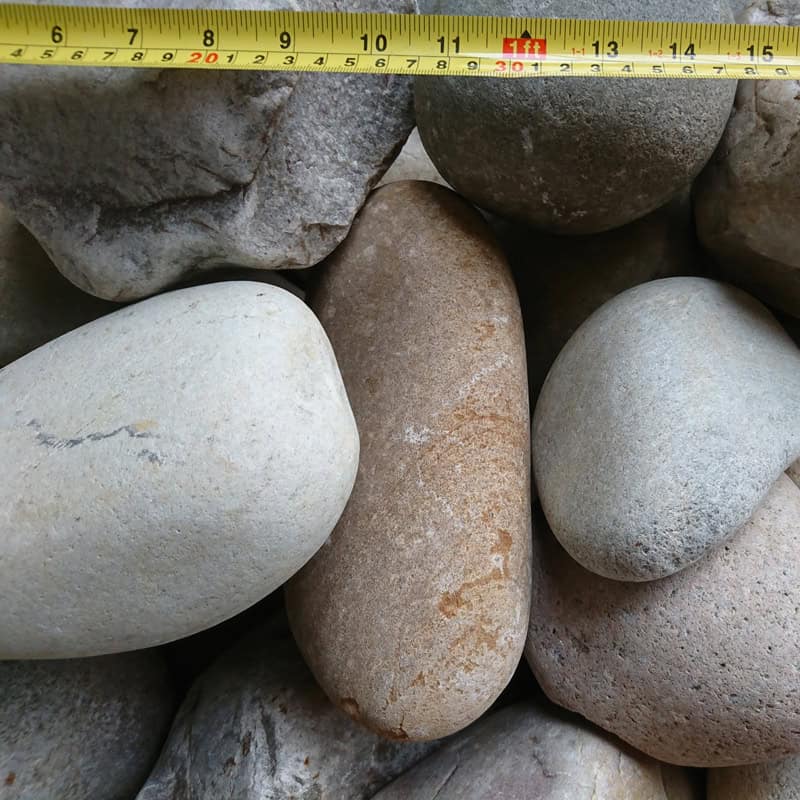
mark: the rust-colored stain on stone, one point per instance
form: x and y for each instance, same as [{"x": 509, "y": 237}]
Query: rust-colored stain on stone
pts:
[
  {"x": 10, "y": 778},
  {"x": 450, "y": 603}
]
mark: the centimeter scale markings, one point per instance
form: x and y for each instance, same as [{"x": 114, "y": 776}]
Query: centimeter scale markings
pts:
[{"x": 404, "y": 44}]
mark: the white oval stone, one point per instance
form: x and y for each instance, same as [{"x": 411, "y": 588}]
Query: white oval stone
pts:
[{"x": 165, "y": 467}]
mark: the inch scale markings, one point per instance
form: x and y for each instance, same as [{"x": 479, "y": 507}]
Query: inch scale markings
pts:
[{"x": 377, "y": 43}]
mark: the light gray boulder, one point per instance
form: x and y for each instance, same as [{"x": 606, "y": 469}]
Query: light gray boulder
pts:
[
  {"x": 699, "y": 668},
  {"x": 774, "y": 780},
  {"x": 662, "y": 425},
  {"x": 37, "y": 303},
  {"x": 576, "y": 155},
  {"x": 525, "y": 752},
  {"x": 165, "y": 467},
  {"x": 747, "y": 200},
  {"x": 140, "y": 177},
  {"x": 81, "y": 729},
  {"x": 256, "y": 726}
]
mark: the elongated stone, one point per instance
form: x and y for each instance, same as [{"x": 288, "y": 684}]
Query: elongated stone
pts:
[{"x": 412, "y": 616}]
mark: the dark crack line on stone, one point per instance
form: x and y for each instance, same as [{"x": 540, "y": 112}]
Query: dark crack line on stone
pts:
[
  {"x": 446, "y": 780},
  {"x": 51, "y": 440}
]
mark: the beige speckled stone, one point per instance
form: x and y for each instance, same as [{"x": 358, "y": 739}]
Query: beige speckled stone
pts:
[
  {"x": 527, "y": 753},
  {"x": 775, "y": 780},
  {"x": 412, "y": 616},
  {"x": 699, "y": 668},
  {"x": 37, "y": 303}
]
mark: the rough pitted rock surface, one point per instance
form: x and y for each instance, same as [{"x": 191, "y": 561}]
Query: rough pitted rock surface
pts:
[
  {"x": 699, "y": 668},
  {"x": 662, "y": 424},
  {"x": 524, "y": 752},
  {"x": 37, "y": 303},
  {"x": 256, "y": 169},
  {"x": 748, "y": 197},
  {"x": 775, "y": 780},
  {"x": 82, "y": 729},
  {"x": 573, "y": 155},
  {"x": 563, "y": 279},
  {"x": 413, "y": 614},
  {"x": 257, "y": 726},
  {"x": 165, "y": 467}
]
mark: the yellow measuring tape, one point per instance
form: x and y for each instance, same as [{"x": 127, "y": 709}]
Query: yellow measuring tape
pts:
[{"x": 402, "y": 44}]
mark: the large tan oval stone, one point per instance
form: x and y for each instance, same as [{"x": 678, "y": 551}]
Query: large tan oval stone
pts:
[
  {"x": 699, "y": 668},
  {"x": 412, "y": 616}
]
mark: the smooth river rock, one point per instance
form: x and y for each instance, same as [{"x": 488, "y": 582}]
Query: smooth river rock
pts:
[
  {"x": 165, "y": 467},
  {"x": 662, "y": 424},
  {"x": 576, "y": 155},
  {"x": 81, "y": 729},
  {"x": 524, "y": 752},
  {"x": 748, "y": 198},
  {"x": 37, "y": 303},
  {"x": 699, "y": 668},
  {"x": 413, "y": 614},
  {"x": 775, "y": 780},
  {"x": 257, "y": 726},
  {"x": 255, "y": 169},
  {"x": 563, "y": 279}
]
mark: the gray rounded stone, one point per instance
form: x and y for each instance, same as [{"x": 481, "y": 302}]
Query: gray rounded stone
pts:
[
  {"x": 524, "y": 752},
  {"x": 699, "y": 668},
  {"x": 576, "y": 155},
  {"x": 748, "y": 200},
  {"x": 255, "y": 169},
  {"x": 82, "y": 729},
  {"x": 165, "y": 467},
  {"x": 662, "y": 425},
  {"x": 37, "y": 303},
  {"x": 775, "y": 780},
  {"x": 257, "y": 726}
]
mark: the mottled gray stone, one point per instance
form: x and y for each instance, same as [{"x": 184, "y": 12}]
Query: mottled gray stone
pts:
[
  {"x": 775, "y": 780},
  {"x": 37, "y": 303},
  {"x": 563, "y": 279},
  {"x": 699, "y": 668},
  {"x": 662, "y": 424},
  {"x": 524, "y": 752},
  {"x": 84, "y": 729},
  {"x": 257, "y": 726},
  {"x": 165, "y": 467},
  {"x": 748, "y": 198},
  {"x": 256, "y": 169},
  {"x": 576, "y": 155}
]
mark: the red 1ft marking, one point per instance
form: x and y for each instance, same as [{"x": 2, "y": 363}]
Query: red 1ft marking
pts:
[{"x": 525, "y": 48}]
